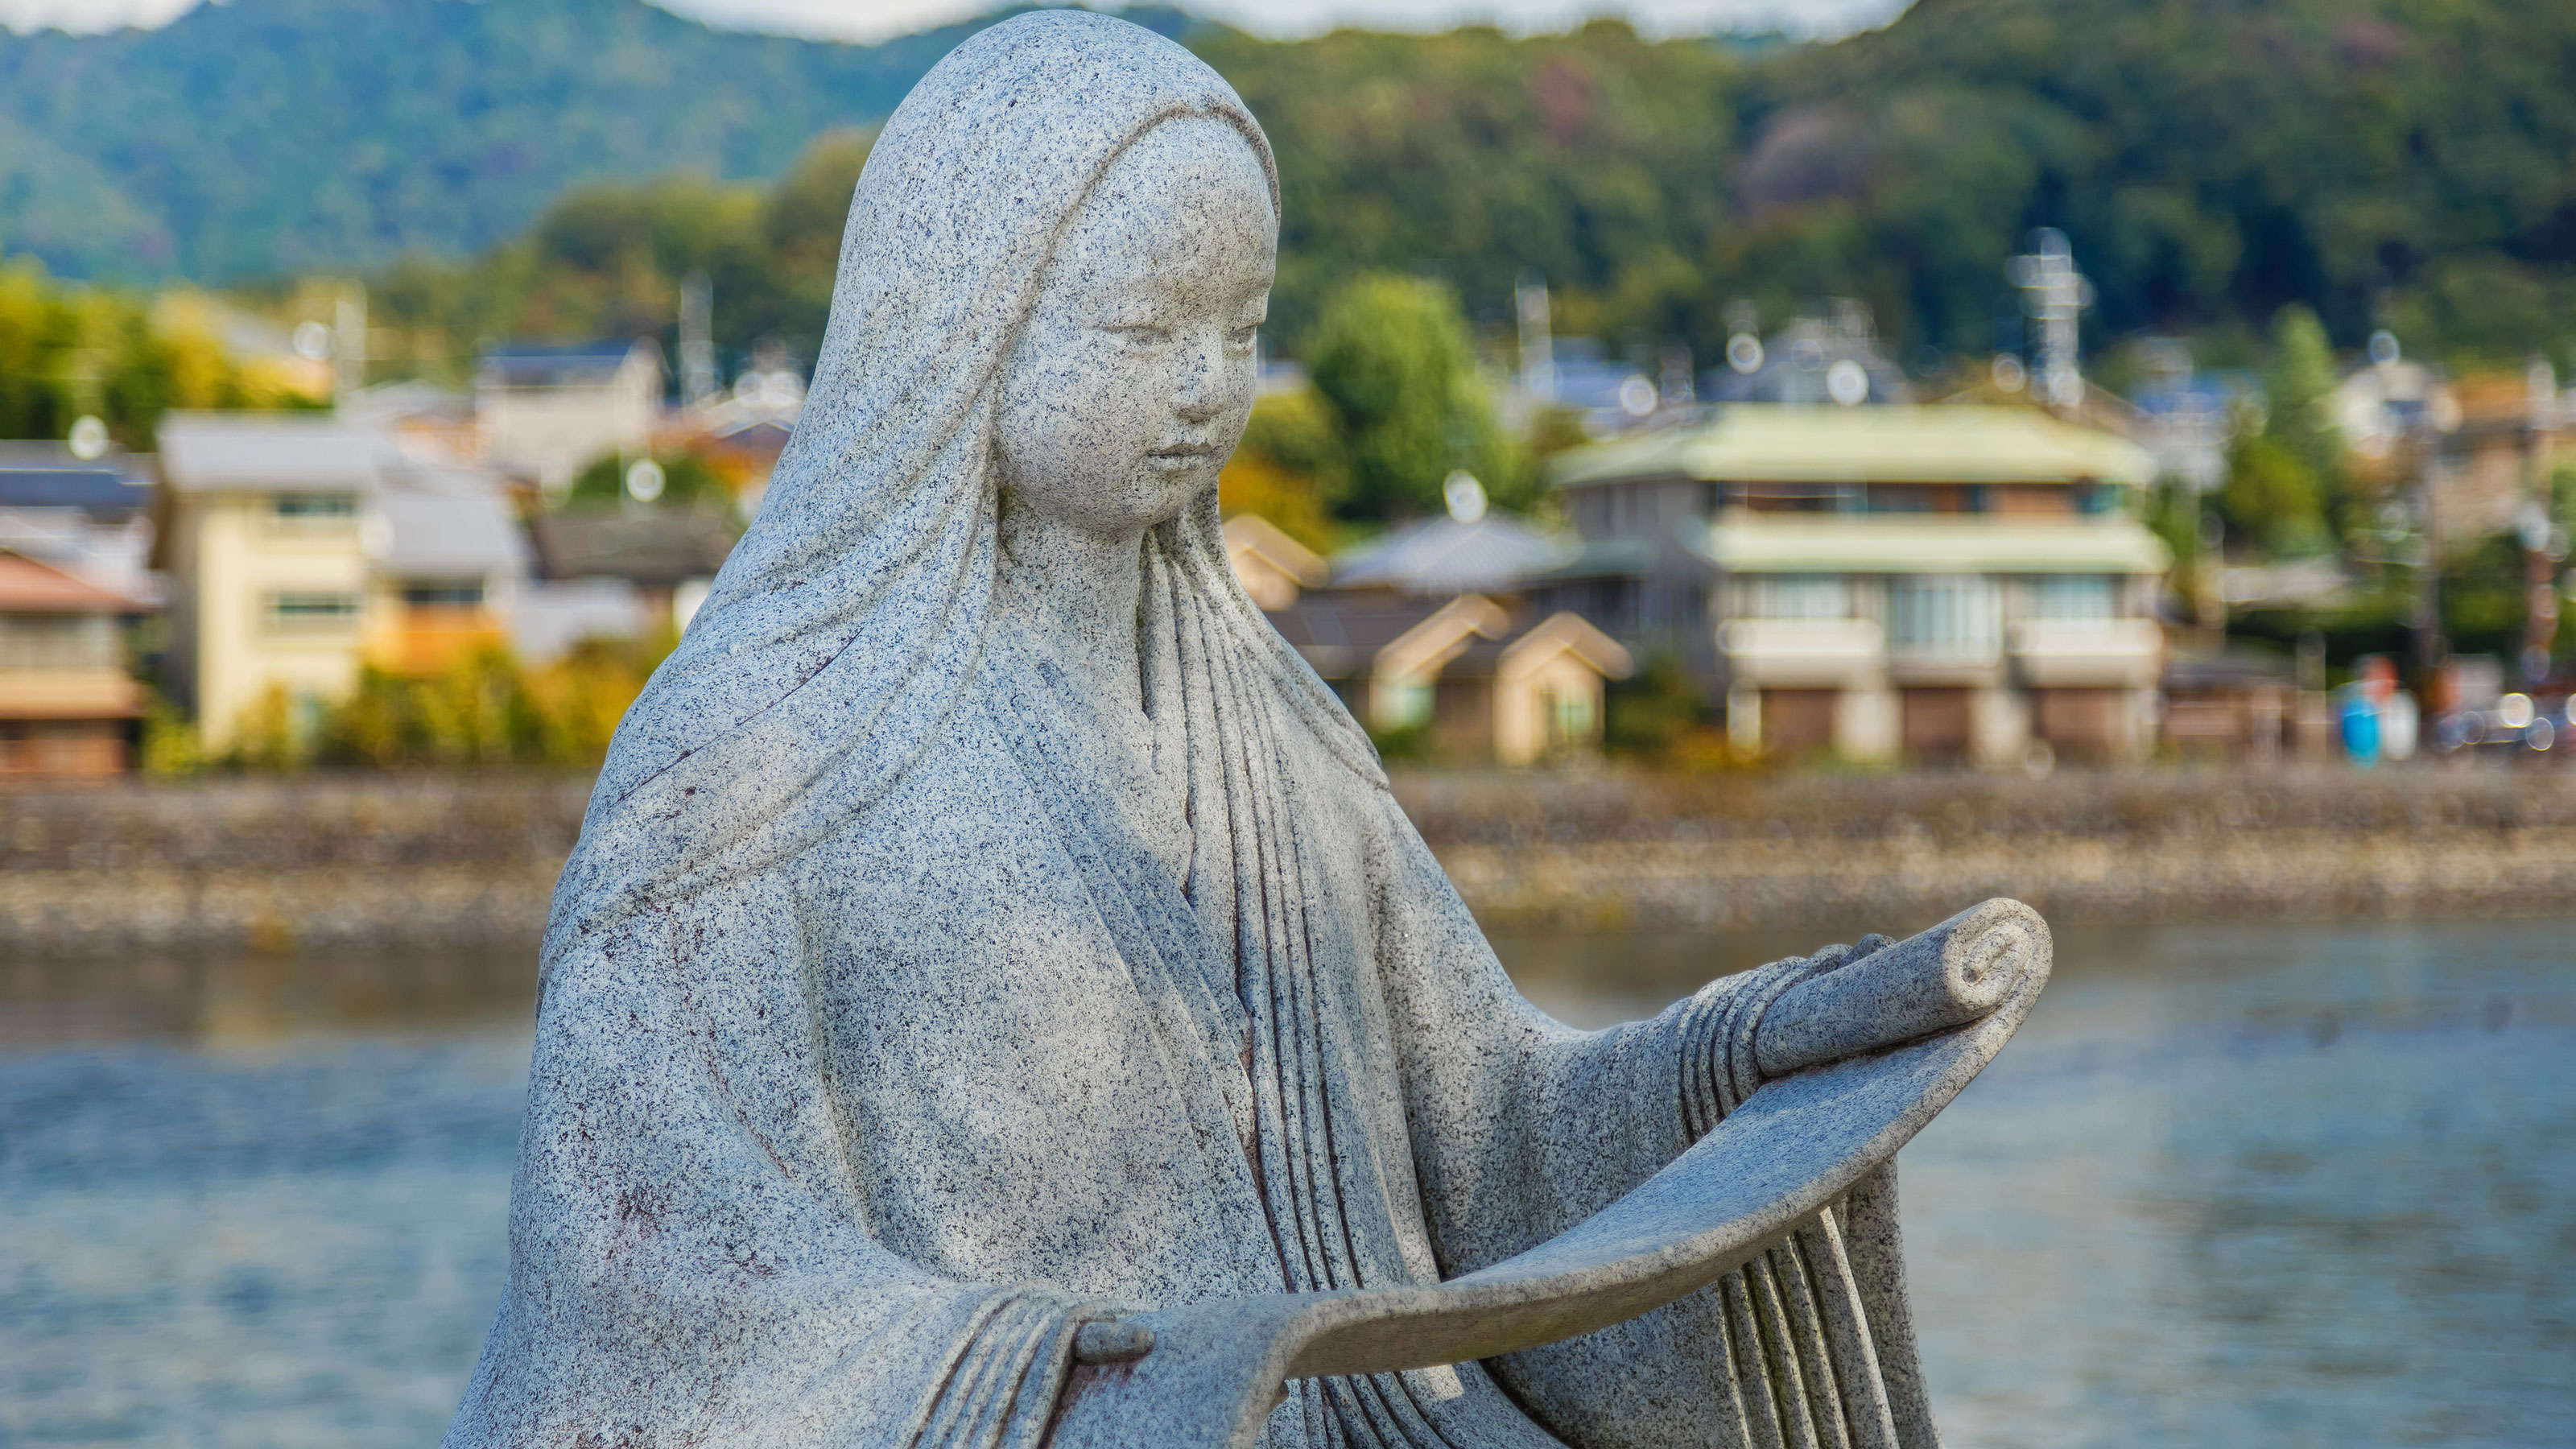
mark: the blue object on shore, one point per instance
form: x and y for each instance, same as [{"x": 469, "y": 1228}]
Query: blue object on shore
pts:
[{"x": 2360, "y": 725}]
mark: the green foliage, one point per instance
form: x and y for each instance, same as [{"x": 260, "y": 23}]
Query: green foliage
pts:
[
  {"x": 1650, "y": 714},
  {"x": 1300, "y": 432},
  {"x": 275, "y": 734},
  {"x": 2213, "y": 160},
  {"x": 688, "y": 479},
  {"x": 1596, "y": 158},
  {"x": 1289, "y": 468},
  {"x": 70, "y": 351},
  {"x": 484, "y": 708},
  {"x": 1391, "y": 359},
  {"x": 609, "y": 259},
  {"x": 2286, "y": 477},
  {"x": 2484, "y": 607},
  {"x": 2300, "y": 388},
  {"x": 171, "y": 747},
  {"x": 1403, "y": 744},
  {"x": 2273, "y": 497},
  {"x": 290, "y": 136}
]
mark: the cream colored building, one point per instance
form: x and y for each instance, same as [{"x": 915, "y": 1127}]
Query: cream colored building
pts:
[
  {"x": 264, "y": 537},
  {"x": 1946, "y": 582},
  {"x": 546, "y": 412},
  {"x": 300, "y": 547}
]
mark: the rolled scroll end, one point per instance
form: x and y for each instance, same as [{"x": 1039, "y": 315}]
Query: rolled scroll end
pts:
[
  {"x": 1112, "y": 1341},
  {"x": 1948, "y": 976}
]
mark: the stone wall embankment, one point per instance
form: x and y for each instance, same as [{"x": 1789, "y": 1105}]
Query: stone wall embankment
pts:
[
  {"x": 441, "y": 861},
  {"x": 329, "y": 861},
  {"x": 1854, "y": 852}
]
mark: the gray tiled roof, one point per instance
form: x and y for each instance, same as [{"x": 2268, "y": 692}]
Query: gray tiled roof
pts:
[
  {"x": 1442, "y": 557},
  {"x": 274, "y": 452}
]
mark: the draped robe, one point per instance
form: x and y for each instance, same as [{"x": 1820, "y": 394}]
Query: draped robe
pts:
[{"x": 902, "y": 1009}]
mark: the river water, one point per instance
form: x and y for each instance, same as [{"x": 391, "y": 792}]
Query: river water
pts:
[{"x": 2242, "y": 1185}]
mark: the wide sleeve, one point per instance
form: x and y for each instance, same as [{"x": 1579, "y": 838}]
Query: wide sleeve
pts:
[
  {"x": 689, "y": 1259},
  {"x": 1522, "y": 1127}
]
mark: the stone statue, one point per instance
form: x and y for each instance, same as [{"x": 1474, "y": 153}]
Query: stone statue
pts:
[{"x": 996, "y": 997}]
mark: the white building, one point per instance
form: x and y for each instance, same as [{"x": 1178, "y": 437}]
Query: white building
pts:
[
  {"x": 1929, "y": 582},
  {"x": 546, "y": 412}
]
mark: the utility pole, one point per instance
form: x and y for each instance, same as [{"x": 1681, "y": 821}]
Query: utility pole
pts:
[
  {"x": 697, "y": 340},
  {"x": 2427, "y": 641},
  {"x": 2542, "y": 545},
  {"x": 2053, "y": 293},
  {"x": 349, "y": 343},
  {"x": 1538, "y": 345}
]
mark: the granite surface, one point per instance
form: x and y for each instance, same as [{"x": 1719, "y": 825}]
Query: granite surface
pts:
[{"x": 996, "y": 995}]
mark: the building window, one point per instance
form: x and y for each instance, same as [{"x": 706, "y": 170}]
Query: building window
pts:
[
  {"x": 1954, "y": 614},
  {"x": 2075, "y": 596},
  {"x": 1569, "y": 718},
  {"x": 312, "y": 510},
  {"x": 57, "y": 641},
  {"x": 1797, "y": 596},
  {"x": 1400, "y": 704},
  {"x": 443, "y": 594},
  {"x": 312, "y": 613}
]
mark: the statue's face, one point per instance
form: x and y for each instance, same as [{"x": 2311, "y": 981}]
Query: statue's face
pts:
[{"x": 1133, "y": 376}]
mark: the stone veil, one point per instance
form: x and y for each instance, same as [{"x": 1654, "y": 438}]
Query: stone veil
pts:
[{"x": 887, "y": 1035}]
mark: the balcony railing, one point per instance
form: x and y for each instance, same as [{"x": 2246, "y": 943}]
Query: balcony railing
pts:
[
  {"x": 2088, "y": 653},
  {"x": 1802, "y": 653}
]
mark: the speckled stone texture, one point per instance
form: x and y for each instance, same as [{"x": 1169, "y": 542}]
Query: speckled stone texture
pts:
[{"x": 995, "y": 993}]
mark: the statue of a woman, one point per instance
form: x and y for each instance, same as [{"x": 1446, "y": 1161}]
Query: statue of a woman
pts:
[{"x": 985, "y": 924}]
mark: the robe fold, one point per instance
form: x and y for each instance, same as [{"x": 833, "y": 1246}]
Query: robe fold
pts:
[{"x": 899, "y": 1015}]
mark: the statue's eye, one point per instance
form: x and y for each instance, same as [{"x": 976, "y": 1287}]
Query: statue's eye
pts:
[{"x": 1139, "y": 334}]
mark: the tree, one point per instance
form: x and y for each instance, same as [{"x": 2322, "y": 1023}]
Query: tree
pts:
[
  {"x": 68, "y": 352},
  {"x": 2300, "y": 385},
  {"x": 1289, "y": 468},
  {"x": 1391, "y": 357},
  {"x": 2272, "y": 497}
]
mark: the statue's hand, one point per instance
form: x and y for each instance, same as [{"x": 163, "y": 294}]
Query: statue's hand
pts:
[{"x": 1948, "y": 976}]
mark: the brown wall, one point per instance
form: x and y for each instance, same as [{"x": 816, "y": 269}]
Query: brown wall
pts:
[
  {"x": 1936, "y": 724},
  {"x": 1797, "y": 721},
  {"x": 73, "y": 749},
  {"x": 2078, "y": 723}
]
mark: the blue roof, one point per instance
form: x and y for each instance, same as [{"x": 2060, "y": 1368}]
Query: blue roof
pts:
[
  {"x": 96, "y": 487},
  {"x": 540, "y": 363}
]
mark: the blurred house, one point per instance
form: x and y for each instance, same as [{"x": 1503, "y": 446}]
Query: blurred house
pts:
[
  {"x": 1837, "y": 359},
  {"x": 1402, "y": 628},
  {"x": 2232, "y": 704},
  {"x": 91, "y": 517},
  {"x": 744, "y": 432},
  {"x": 300, "y": 546},
  {"x": 546, "y": 411},
  {"x": 1951, "y": 582},
  {"x": 1274, "y": 568},
  {"x": 1448, "y": 555},
  {"x": 659, "y": 560},
  {"x": 67, "y": 704}
]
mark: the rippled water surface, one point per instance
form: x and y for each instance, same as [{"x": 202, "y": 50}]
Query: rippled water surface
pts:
[{"x": 2289, "y": 1185}]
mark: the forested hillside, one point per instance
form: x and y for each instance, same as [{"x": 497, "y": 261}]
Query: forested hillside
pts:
[
  {"x": 2410, "y": 162},
  {"x": 271, "y": 136}
]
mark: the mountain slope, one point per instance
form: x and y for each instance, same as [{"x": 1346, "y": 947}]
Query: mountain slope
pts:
[{"x": 271, "y": 136}]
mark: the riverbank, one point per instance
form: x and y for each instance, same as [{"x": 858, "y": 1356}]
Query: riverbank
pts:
[{"x": 370, "y": 861}]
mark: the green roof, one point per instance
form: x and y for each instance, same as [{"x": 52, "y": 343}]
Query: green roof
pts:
[
  {"x": 1943, "y": 443},
  {"x": 1932, "y": 543}
]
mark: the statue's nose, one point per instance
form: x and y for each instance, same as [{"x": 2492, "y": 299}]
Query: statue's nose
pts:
[{"x": 1201, "y": 390}]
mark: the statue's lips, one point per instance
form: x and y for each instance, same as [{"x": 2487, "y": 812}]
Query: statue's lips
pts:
[{"x": 1181, "y": 454}]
